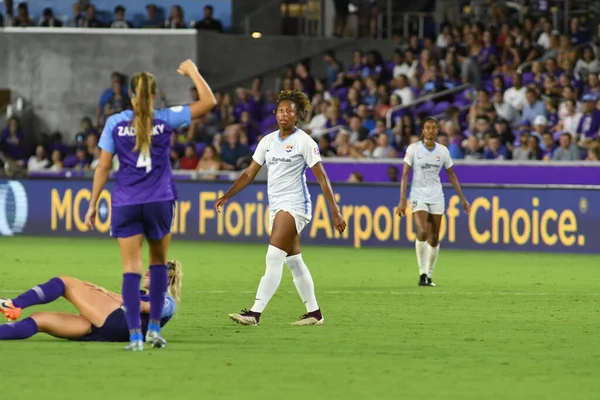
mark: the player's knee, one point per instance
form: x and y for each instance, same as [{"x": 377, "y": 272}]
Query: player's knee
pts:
[
  {"x": 66, "y": 280},
  {"x": 422, "y": 236},
  {"x": 40, "y": 319},
  {"x": 434, "y": 241},
  {"x": 134, "y": 267}
]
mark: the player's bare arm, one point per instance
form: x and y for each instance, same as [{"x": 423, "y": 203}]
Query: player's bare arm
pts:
[
  {"x": 401, "y": 209},
  {"x": 336, "y": 215},
  {"x": 240, "y": 184}
]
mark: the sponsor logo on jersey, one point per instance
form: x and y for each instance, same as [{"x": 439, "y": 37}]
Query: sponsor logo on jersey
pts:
[{"x": 316, "y": 150}]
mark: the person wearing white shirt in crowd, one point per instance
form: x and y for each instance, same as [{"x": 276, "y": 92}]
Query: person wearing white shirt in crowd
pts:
[
  {"x": 316, "y": 126},
  {"x": 287, "y": 153},
  {"x": 505, "y": 110},
  {"x": 586, "y": 65},
  {"x": 39, "y": 161},
  {"x": 516, "y": 95},
  {"x": 570, "y": 121},
  {"x": 426, "y": 158},
  {"x": 382, "y": 147},
  {"x": 404, "y": 91},
  {"x": 568, "y": 93},
  {"x": 544, "y": 39}
]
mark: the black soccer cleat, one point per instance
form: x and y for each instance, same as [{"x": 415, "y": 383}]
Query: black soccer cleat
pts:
[
  {"x": 423, "y": 280},
  {"x": 430, "y": 282}
]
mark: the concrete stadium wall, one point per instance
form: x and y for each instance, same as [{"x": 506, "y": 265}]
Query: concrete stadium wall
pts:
[
  {"x": 63, "y": 72},
  {"x": 231, "y": 60}
]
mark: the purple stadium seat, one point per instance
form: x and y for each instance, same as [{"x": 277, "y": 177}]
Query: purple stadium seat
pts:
[
  {"x": 426, "y": 107},
  {"x": 440, "y": 107}
]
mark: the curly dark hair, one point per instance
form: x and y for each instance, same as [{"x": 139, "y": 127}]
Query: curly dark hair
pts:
[{"x": 298, "y": 98}]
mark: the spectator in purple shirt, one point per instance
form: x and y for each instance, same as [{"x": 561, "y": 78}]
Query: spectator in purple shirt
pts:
[
  {"x": 83, "y": 159},
  {"x": 11, "y": 142},
  {"x": 245, "y": 103},
  {"x": 590, "y": 121},
  {"x": 495, "y": 150},
  {"x": 548, "y": 146}
]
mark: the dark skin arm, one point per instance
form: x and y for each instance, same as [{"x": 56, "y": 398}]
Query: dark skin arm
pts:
[
  {"x": 336, "y": 215},
  {"x": 401, "y": 209},
  {"x": 240, "y": 184}
]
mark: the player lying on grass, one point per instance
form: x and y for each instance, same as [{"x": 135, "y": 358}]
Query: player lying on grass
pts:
[{"x": 101, "y": 319}]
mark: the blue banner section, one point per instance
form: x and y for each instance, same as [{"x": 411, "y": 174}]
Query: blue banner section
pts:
[{"x": 553, "y": 220}]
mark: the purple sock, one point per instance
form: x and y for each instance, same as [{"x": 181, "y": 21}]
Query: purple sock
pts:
[
  {"x": 131, "y": 302},
  {"x": 18, "y": 330},
  {"x": 158, "y": 290},
  {"x": 41, "y": 294}
]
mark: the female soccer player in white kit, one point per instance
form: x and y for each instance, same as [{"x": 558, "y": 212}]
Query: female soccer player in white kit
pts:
[
  {"x": 287, "y": 153},
  {"x": 427, "y": 158}
]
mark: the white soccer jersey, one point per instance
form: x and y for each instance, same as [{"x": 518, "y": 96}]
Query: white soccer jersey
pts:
[
  {"x": 426, "y": 165},
  {"x": 286, "y": 161}
]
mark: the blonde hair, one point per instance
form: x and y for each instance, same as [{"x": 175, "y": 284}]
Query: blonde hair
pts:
[
  {"x": 174, "y": 273},
  {"x": 143, "y": 89}
]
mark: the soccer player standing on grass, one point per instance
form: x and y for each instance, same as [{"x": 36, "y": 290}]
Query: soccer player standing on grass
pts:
[
  {"x": 427, "y": 158},
  {"x": 287, "y": 153},
  {"x": 144, "y": 193}
]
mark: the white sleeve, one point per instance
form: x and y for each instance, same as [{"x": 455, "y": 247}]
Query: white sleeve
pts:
[
  {"x": 310, "y": 151},
  {"x": 261, "y": 150},
  {"x": 447, "y": 159},
  {"x": 409, "y": 157}
]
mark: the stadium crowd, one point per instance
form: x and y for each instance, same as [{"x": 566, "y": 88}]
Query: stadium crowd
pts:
[{"x": 549, "y": 109}]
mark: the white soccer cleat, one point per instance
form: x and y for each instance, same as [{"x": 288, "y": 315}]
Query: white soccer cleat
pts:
[
  {"x": 311, "y": 318},
  {"x": 248, "y": 318}
]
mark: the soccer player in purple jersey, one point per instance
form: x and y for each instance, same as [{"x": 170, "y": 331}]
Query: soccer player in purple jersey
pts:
[
  {"x": 144, "y": 194},
  {"x": 101, "y": 316},
  {"x": 426, "y": 158},
  {"x": 287, "y": 153}
]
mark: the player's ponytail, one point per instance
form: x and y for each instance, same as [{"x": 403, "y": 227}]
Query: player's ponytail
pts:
[
  {"x": 143, "y": 88},
  {"x": 175, "y": 274}
]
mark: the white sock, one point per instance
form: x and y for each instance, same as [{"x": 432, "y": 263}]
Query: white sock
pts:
[
  {"x": 432, "y": 256},
  {"x": 421, "y": 248},
  {"x": 271, "y": 280},
  {"x": 303, "y": 281}
]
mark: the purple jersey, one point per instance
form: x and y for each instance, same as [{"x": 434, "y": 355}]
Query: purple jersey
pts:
[{"x": 143, "y": 179}]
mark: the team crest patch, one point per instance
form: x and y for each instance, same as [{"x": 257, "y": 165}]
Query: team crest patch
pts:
[
  {"x": 288, "y": 148},
  {"x": 316, "y": 150},
  {"x": 437, "y": 158}
]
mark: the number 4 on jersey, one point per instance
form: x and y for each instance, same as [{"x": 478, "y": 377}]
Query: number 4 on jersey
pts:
[{"x": 144, "y": 161}]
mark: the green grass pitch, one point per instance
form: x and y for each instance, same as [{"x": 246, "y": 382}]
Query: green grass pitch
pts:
[{"x": 499, "y": 325}]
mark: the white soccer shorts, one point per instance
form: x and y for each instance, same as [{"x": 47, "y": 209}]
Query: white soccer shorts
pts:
[
  {"x": 301, "y": 219},
  {"x": 431, "y": 208}
]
